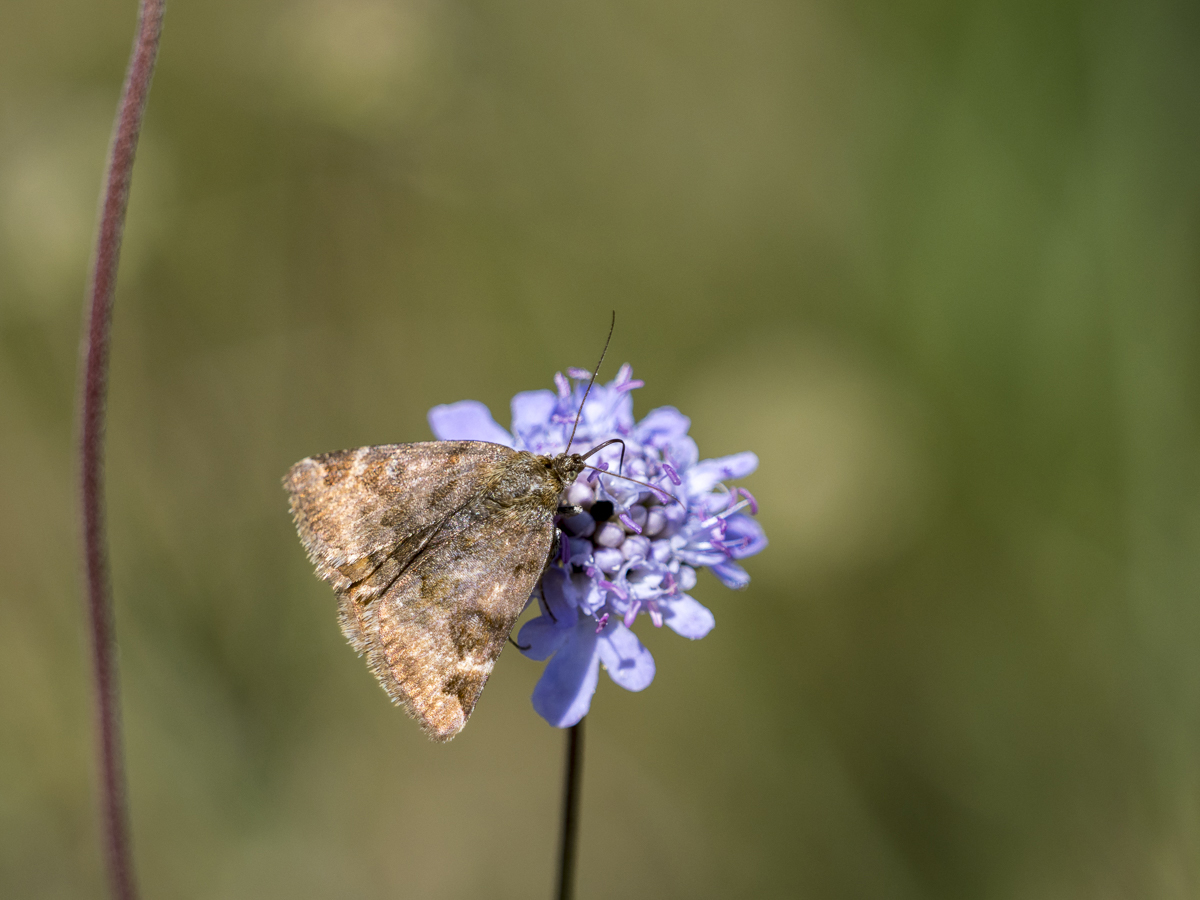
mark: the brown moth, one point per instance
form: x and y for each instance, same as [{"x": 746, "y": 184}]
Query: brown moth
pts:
[{"x": 433, "y": 550}]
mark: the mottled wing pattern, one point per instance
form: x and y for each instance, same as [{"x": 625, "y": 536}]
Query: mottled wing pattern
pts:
[
  {"x": 430, "y": 574},
  {"x": 434, "y": 634},
  {"x": 355, "y": 508}
]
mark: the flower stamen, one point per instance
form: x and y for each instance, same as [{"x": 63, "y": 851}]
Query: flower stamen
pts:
[
  {"x": 614, "y": 588},
  {"x": 749, "y": 497},
  {"x": 713, "y": 520},
  {"x": 625, "y": 519}
]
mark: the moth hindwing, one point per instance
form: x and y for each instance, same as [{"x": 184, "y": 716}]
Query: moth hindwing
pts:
[{"x": 433, "y": 550}]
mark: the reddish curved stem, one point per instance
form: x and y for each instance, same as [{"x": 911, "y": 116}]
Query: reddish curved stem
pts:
[{"x": 93, "y": 387}]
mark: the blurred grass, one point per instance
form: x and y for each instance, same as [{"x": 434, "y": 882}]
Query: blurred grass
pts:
[{"x": 935, "y": 262}]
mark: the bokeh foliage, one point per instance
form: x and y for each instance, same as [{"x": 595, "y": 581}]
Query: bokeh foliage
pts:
[{"x": 936, "y": 262}]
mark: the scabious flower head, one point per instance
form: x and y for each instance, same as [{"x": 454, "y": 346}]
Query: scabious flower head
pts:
[{"x": 632, "y": 554}]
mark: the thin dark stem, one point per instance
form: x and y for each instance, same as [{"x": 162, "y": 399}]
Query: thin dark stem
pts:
[
  {"x": 572, "y": 776},
  {"x": 93, "y": 388}
]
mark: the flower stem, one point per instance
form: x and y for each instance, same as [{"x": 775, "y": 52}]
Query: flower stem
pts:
[
  {"x": 93, "y": 388},
  {"x": 572, "y": 776}
]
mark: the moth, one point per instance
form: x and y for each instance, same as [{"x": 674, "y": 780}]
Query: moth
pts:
[{"x": 433, "y": 550}]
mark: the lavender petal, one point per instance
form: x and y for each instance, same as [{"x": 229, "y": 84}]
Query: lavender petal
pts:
[
  {"x": 665, "y": 423},
  {"x": 467, "y": 420},
  {"x": 531, "y": 411},
  {"x": 704, "y": 476},
  {"x": 542, "y": 637},
  {"x": 731, "y": 574},
  {"x": 563, "y": 694},
  {"x": 627, "y": 662},
  {"x": 745, "y": 535},
  {"x": 687, "y": 617}
]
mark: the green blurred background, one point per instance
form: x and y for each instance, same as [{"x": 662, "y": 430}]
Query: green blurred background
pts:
[{"x": 935, "y": 262}]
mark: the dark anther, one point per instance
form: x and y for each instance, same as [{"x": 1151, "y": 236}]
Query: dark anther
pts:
[
  {"x": 602, "y": 510},
  {"x": 518, "y": 646}
]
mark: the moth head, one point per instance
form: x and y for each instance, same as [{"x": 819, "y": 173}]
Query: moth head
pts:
[{"x": 566, "y": 467}]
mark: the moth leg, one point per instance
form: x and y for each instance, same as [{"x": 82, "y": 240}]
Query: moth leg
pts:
[
  {"x": 545, "y": 605},
  {"x": 518, "y": 646},
  {"x": 567, "y": 510}
]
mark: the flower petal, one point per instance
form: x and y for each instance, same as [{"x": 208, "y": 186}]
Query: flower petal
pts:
[
  {"x": 741, "y": 529},
  {"x": 542, "y": 637},
  {"x": 701, "y": 556},
  {"x": 558, "y": 591},
  {"x": 621, "y": 411},
  {"x": 644, "y": 580},
  {"x": 703, "y": 476},
  {"x": 467, "y": 420},
  {"x": 563, "y": 694},
  {"x": 608, "y": 560},
  {"x": 684, "y": 452},
  {"x": 628, "y": 663},
  {"x": 687, "y": 617},
  {"x": 687, "y": 578},
  {"x": 590, "y": 595},
  {"x": 731, "y": 574},
  {"x": 664, "y": 424},
  {"x": 581, "y": 550},
  {"x": 531, "y": 411}
]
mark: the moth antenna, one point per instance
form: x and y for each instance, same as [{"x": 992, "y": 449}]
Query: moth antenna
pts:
[
  {"x": 595, "y": 372},
  {"x": 652, "y": 487},
  {"x": 599, "y": 447}
]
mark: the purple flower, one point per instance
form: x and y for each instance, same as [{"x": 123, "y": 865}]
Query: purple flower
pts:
[{"x": 633, "y": 551}]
